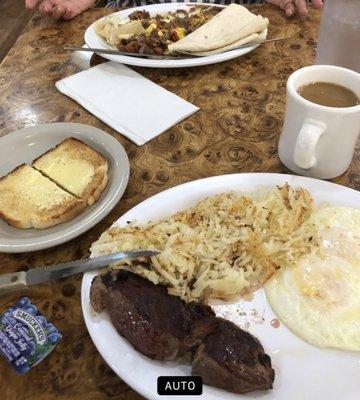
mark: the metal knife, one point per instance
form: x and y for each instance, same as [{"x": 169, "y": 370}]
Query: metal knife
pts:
[
  {"x": 124, "y": 53},
  {"x": 22, "y": 279},
  {"x": 177, "y": 56}
]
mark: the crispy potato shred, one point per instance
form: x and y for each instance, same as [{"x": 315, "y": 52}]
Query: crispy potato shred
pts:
[{"x": 227, "y": 245}]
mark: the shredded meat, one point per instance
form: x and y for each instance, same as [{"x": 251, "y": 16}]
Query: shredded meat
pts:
[{"x": 139, "y": 15}]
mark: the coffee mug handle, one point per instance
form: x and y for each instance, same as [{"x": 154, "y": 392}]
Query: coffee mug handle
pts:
[{"x": 307, "y": 140}]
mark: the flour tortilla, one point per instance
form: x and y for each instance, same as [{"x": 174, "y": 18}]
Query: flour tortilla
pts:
[
  {"x": 231, "y": 25},
  {"x": 113, "y": 29},
  {"x": 255, "y": 37}
]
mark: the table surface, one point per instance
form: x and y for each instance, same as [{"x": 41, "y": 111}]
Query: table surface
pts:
[{"x": 236, "y": 130}]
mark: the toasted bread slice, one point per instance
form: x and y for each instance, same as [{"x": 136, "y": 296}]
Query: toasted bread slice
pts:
[
  {"x": 30, "y": 200},
  {"x": 75, "y": 167}
]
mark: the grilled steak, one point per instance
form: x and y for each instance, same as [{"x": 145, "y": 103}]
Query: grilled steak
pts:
[
  {"x": 156, "y": 324},
  {"x": 232, "y": 359},
  {"x": 164, "y": 327}
]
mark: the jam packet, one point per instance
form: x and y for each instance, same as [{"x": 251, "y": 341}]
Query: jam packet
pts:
[{"x": 26, "y": 336}]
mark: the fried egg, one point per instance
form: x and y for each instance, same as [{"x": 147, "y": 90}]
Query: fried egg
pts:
[{"x": 319, "y": 298}]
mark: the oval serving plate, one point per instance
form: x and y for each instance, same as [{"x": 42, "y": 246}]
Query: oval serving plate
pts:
[
  {"x": 92, "y": 39},
  {"x": 302, "y": 371},
  {"x": 27, "y": 144}
]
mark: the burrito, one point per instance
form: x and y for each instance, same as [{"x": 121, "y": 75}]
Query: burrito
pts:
[
  {"x": 232, "y": 27},
  {"x": 255, "y": 37}
]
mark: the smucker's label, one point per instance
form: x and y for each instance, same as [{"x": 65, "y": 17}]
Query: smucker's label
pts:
[{"x": 26, "y": 336}]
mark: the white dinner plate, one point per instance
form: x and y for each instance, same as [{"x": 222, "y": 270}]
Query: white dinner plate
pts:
[
  {"x": 302, "y": 371},
  {"x": 25, "y": 145},
  {"x": 92, "y": 39}
]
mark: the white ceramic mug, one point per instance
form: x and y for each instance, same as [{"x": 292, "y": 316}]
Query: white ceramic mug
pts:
[{"x": 319, "y": 141}]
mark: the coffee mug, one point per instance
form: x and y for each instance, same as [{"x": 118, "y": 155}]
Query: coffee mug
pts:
[{"x": 319, "y": 141}]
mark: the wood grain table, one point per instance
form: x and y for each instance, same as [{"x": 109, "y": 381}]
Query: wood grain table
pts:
[{"x": 236, "y": 130}]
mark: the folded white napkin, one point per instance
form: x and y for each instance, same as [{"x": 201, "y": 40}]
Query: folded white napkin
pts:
[{"x": 125, "y": 100}]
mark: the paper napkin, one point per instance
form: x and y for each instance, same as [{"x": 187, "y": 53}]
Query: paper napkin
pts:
[{"x": 131, "y": 104}]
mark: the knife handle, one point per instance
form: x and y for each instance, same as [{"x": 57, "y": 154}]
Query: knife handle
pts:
[{"x": 12, "y": 282}]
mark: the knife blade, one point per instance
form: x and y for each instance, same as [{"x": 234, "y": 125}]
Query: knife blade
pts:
[
  {"x": 22, "y": 279},
  {"x": 177, "y": 56},
  {"x": 124, "y": 53}
]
